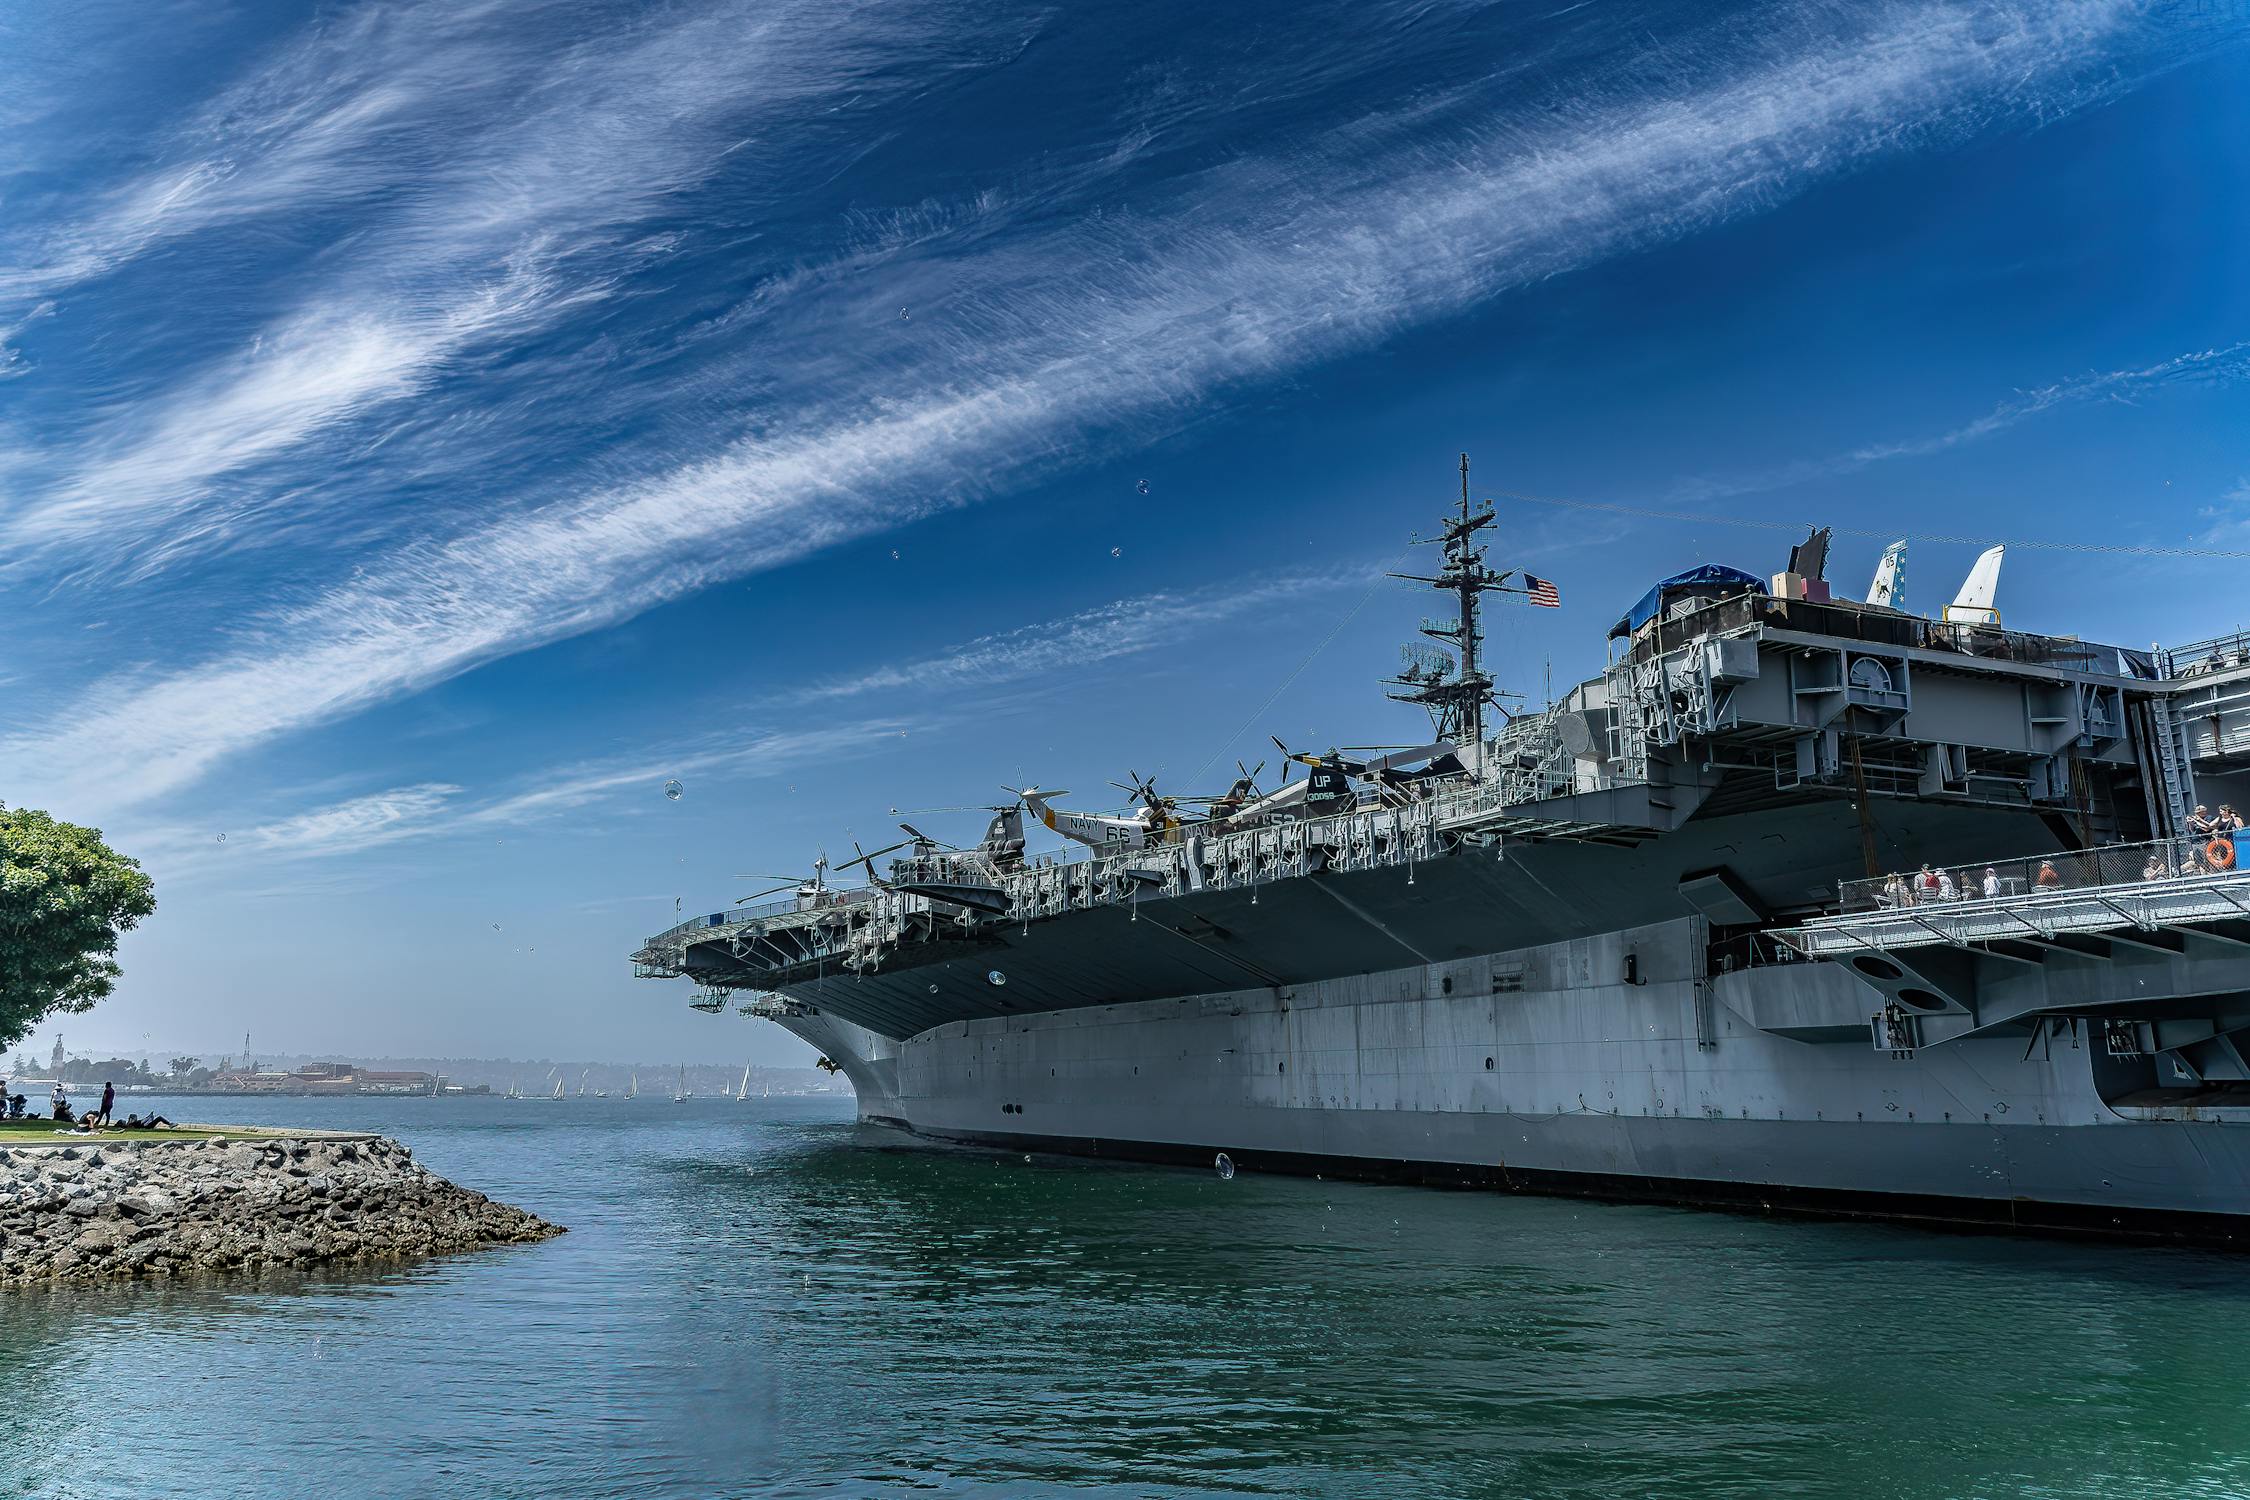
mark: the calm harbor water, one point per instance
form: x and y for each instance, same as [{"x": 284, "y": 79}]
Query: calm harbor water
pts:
[{"x": 753, "y": 1301}]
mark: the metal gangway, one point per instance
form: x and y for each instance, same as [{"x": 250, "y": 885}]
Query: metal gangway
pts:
[{"x": 2122, "y": 889}]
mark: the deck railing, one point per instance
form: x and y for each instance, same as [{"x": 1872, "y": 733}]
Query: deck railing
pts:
[{"x": 2086, "y": 869}]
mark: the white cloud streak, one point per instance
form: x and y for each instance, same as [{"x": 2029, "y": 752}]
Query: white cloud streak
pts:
[
  {"x": 504, "y": 230},
  {"x": 1075, "y": 642},
  {"x": 350, "y": 826},
  {"x": 1310, "y": 261},
  {"x": 2223, "y": 366},
  {"x": 438, "y": 811}
]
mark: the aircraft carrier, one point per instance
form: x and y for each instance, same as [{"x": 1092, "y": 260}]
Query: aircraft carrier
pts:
[{"x": 1801, "y": 904}]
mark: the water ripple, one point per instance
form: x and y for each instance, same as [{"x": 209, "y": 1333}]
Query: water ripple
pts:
[{"x": 755, "y": 1300}]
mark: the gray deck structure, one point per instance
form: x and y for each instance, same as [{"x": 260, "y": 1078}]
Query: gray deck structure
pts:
[{"x": 1619, "y": 953}]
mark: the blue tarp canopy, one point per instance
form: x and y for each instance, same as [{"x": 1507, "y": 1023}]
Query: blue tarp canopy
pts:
[{"x": 1711, "y": 578}]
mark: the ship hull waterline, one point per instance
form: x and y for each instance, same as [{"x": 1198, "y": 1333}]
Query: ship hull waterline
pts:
[{"x": 1546, "y": 1070}]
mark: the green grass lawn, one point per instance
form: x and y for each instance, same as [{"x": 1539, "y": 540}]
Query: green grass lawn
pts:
[{"x": 42, "y": 1133}]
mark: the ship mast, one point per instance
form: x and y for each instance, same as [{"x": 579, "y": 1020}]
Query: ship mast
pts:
[{"x": 1455, "y": 692}]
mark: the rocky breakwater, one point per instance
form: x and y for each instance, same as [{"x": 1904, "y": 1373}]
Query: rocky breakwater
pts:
[{"x": 98, "y": 1211}]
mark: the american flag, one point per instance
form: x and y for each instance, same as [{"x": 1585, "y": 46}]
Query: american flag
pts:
[{"x": 1543, "y": 592}]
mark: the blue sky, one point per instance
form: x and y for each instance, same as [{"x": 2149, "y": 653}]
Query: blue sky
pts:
[{"x": 425, "y": 428}]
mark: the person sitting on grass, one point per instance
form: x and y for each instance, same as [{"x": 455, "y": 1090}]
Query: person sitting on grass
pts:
[
  {"x": 59, "y": 1105},
  {"x": 15, "y": 1106},
  {"x": 154, "y": 1121}
]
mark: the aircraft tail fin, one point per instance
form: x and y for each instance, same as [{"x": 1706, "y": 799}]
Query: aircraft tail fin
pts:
[
  {"x": 1889, "y": 587},
  {"x": 1974, "y": 605}
]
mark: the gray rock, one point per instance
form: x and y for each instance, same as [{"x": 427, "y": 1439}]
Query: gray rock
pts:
[{"x": 162, "y": 1208}]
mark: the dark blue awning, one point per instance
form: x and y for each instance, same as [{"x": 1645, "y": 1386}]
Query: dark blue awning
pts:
[{"x": 1711, "y": 578}]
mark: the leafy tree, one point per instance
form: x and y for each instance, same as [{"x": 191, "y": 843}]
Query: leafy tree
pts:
[
  {"x": 64, "y": 898},
  {"x": 182, "y": 1066}
]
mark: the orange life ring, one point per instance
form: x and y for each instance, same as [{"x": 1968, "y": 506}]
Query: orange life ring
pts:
[{"x": 2219, "y": 854}]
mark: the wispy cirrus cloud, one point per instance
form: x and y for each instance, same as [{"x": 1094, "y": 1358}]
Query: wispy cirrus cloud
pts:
[
  {"x": 1075, "y": 642},
  {"x": 2220, "y": 366},
  {"x": 318, "y": 370},
  {"x": 352, "y": 107},
  {"x": 503, "y": 226},
  {"x": 1260, "y": 266},
  {"x": 440, "y": 811},
  {"x": 350, "y": 826}
]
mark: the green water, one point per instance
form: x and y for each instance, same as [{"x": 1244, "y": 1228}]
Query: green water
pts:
[{"x": 752, "y": 1301}]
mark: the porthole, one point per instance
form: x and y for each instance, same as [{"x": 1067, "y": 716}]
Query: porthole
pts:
[
  {"x": 1920, "y": 999},
  {"x": 1876, "y": 968},
  {"x": 1488, "y": 1065}
]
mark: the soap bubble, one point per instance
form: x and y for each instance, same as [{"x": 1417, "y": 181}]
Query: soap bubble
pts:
[
  {"x": 1225, "y": 1164},
  {"x": 933, "y": 989},
  {"x": 995, "y": 977},
  {"x": 674, "y": 790},
  {"x": 894, "y": 554},
  {"x": 1143, "y": 486},
  {"x": 902, "y": 315},
  {"x": 1117, "y": 552},
  {"x": 222, "y": 838},
  {"x": 496, "y": 927}
]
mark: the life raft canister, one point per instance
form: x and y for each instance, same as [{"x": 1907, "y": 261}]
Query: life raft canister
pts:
[{"x": 2219, "y": 854}]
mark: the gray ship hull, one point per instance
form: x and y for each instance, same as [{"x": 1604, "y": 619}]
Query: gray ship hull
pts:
[
  {"x": 1627, "y": 947},
  {"x": 1543, "y": 1069}
]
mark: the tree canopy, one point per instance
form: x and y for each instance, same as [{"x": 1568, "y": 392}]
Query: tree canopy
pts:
[{"x": 64, "y": 898}]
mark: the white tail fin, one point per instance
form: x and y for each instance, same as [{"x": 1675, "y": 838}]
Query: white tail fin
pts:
[
  {"x": 1974, "y": 604},
  {"x": 1889, "y": 587}
]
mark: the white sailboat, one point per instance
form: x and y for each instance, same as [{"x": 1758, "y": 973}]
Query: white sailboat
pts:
[
  {"x": 634, "y": 1091},
  {"x": 743, "y": 1092},
  {"x": 679, "y": 1096}
]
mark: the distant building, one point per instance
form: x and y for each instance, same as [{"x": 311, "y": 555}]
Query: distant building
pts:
[{"x": 324, "y": 1078}]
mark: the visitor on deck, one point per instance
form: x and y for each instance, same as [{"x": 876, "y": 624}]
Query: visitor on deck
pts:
[
  {"x": 2154, "y": 869},
  {"x": 1991, "y": 883},
  {"x": 1946, "y": 889},
  {"x": 1926, "y": 884},
  {"x": 2199, "y": 824},
  {"x": 1895, "y": 893},
  {"x": 2047, "y": 879},
  {"x": 2228, "y": 820}
]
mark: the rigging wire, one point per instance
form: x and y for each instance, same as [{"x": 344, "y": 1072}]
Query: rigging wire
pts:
[
  {"x": 1252, "y": 722},
  {"x": 1911, "y": 536}
]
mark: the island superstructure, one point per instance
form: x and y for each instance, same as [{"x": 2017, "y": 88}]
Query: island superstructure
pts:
[{"x": 1801, "y": 903}]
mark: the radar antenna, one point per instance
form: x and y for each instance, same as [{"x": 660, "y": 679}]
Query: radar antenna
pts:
[{"x": 1456, "y": 693}]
